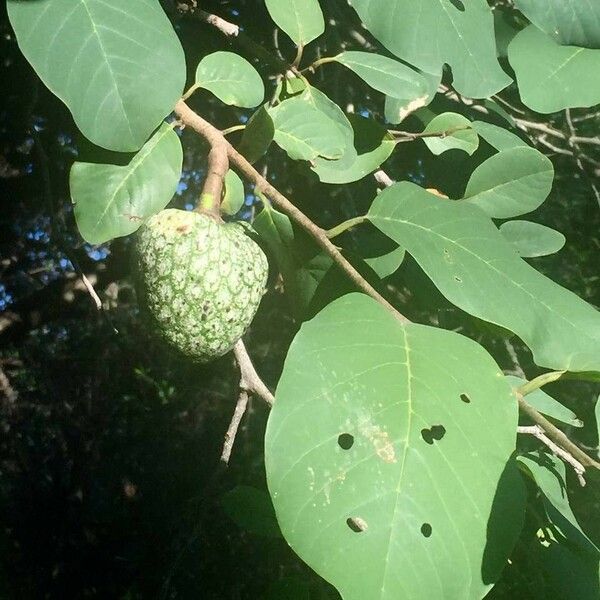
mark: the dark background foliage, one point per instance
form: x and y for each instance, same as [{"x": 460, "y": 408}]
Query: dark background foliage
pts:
[{"x": 110, "y": 483}]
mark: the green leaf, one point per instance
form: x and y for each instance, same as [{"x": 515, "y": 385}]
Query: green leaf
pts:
[
  {"x": 553, "y": 77},
  {"x": 532, "y": 239},
  {"x": 546, "y": 404},
  {"x": 252, "y": 510},
  {"x": 597, "y": 415},
  {"x": 456, "y": 133},
  {"x": 549, "y": 474},
  {"x": 112, "y": 201},
  {"x": 430, "y": 34},
  {"x": 498, "y": 137},
  {"x": 511, "y": 183},
  {"x": 569, "y": 22},
  {"x": 475, "y": 268},
  {"x": 234, "y": 196},
  {"x": 231, "y": 78},
  {"x": 385, "y": 74},
  {"x": 367, "y": 457},
  {"x": 289, "y": 588},
  {"x": 257, "y": 136},
  {"x": 398, "y": 108},
  {"x": 386, "y": 264},
  {"x": 120, "y": 70},
  {"x": 373, "y": 146},
  {"x": 305, "y": 132},
  {"x": 302, "y": 20}
]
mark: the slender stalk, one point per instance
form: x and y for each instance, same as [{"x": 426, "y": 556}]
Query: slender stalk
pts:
[
  {"x": 538, "y": 382},
  {"x": 339, "y": 229}
]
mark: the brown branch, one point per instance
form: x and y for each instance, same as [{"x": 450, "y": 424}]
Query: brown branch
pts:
[
  {"x": 213, "y": 135},
  {"x": 538, "y": 432},
  {"x": 7, "y": 389}
]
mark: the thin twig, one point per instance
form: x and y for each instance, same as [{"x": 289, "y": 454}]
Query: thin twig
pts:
[
  {"x": 382, "y": 178},
  {"x": 538, "y": 432},
  {"x": 213, "y": 135},
  {"x": 238, "y": 413}
]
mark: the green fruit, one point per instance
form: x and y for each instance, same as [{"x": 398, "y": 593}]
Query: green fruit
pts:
[{"x": 201, "y": 281}]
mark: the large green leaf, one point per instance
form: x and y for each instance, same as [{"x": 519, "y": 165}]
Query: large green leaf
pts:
[
  {"x": 385, "y": 74},
  {"x": 118, "y": 67},
  {"x": 231, "y": 78},
  {"x": 569, "y": 22},
  {"x": 399, "y": 107},
  {"x": 386, "y": 454},
  {"x": 305, "y": 132},
  {"x": 498, "y": 137},
  {"x": 302, "y": 20},
  {"x": 430, "y": 33},
  {"x": 373, "y": 146},
  {"x": 112, "y": 201},
  {"x": 455, "y": 132},
  {"x": 546, "y": 404},
  {"x": 532, "y": 239},
  {"x": 553, "y": 77},
  {"x": 511, "y": 183},
  {"x": 476, "y": 269}
]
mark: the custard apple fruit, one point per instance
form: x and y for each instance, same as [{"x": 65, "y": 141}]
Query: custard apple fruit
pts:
[{"x": 200, "y": 281}]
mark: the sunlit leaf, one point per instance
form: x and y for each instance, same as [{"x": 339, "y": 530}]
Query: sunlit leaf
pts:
[
  {"x": 511, "y": 183},
  {"x": 302, "y": 20},
  {"x": 257, "y": 136},
  {"x": 112, "y": 201},
  {"x": 553, "y": 77},
  {"x": 546, "y": 404},
  {"x": 398, "y": 108},
  {"x": 367, "y": 456},
  {"x": 569, "y": 22},
  {"x": 476, "y": 269},
  {"x": 234, "y": 196},
  {"x": 532, "y": 239},
  {"x": 455, "y": 132},
  {"x": 119, "y": 68},
  {"x": 386, "y": 264},
  {"x": 429, "y": 34},
  {"x": 231, "y": 78}
]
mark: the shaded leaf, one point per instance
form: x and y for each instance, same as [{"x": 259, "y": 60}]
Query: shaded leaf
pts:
[
  {"x": 231, "y": 78},
  {"x": 112, "y": 201},
  {"x": 104, "y": 61},
  {"x": 456, "y": 133},
  {"x": 475, "y": 268},
  {"x": 569, "y": 22},
  {"x": 430, "y": 34},
  {"x": 252, "y": 510},
  {"x": 498, "y": 137},
  {"x": 289, "y": 588},
  {"x": 234, "y": 195},
  {"x": 258, "y": 135},
  {"x": 365, "y": 456},
  {"x": 532, "y": 239},
  {"x": 546, "y": 404},
  {"x": 511, "y": 183},
  {"x": 302, "y": 20},
  {"x": 553, "y": 77}
]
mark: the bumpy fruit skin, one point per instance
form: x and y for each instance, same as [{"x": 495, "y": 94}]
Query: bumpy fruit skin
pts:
[{"x": 200, "y": 281}]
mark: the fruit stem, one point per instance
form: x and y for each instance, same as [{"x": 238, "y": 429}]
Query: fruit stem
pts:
[{"x": 218, "y": 165}]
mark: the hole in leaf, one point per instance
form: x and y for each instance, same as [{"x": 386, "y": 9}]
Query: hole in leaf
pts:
[
  {"x": 426, "y": 529},
  {"x": 458, "y": 5},
  {"x": 435, "y": 433},
  {"x": 465, "y": 398},
  {"x": 357, "y": 524},
  {"x": 457, "y": 279},
  {"x": 345, "y": 441}
]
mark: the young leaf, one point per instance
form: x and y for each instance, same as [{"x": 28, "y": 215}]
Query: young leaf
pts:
[
  {"x": 532, "y": 239},
  {"x": 305, "y": 132},
  {"x": 475, "y": 268},
  {"x": 511, "y": 183},
  {"x": 231, "y": 78},
  {"x": 302, "y": 20},
  {"x": 257, "y": 136},
  {"x": 455, "y": 132},
  {"x": 384, "y": 74},
  {"x": 569, "y": 22},
  {"x": 366, "y": 461},
  {"x": 398, "y": 108},
  {"x": 252, "y": 510},
  {"x": 234, "y": 196},
  {"x": 552, "y": 77},
  {"x": 373, "y": 146},
  {"x": 112, "y": 201},
  {"x": 546, "y": 404},
  {"x": 498, "y": 137},
  {"x": 430, "y": 34},
  {"x": 104, "y": 61}
]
